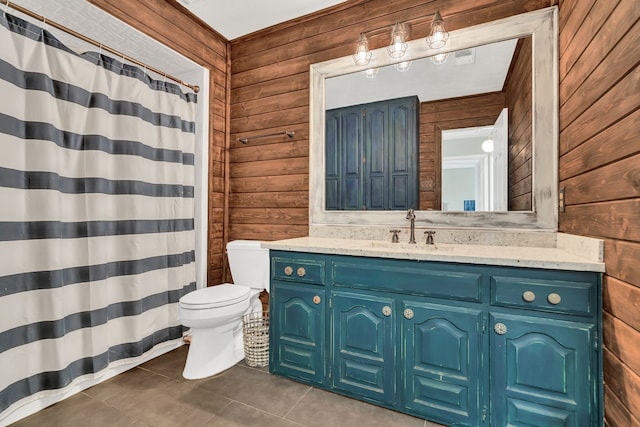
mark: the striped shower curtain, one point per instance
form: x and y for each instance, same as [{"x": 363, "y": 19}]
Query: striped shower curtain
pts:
[{"x": 96, "y": 213}]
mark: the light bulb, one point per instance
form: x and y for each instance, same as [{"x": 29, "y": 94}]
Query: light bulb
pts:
[
  {"x": 363, "y": 54},
  {"x": 487, "y": 145},
  {"x": 439, "y": 36},
  {"x": 398, "y": 47}
]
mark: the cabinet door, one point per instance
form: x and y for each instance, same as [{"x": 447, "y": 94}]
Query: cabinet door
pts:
[
  {"x": 403, "y": 154},
  {"x": 363, "y": 346},
  {"x": 352, "y": 152},
  {"x": 297, "y": 331},
  {"x": 542, "y": 372},
  {"x": 443, "y": 357}
]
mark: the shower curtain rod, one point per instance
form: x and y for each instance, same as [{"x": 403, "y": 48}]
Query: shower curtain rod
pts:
[{"x": 124, "y": 57}]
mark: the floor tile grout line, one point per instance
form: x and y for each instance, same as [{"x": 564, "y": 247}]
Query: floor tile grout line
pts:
[
  {"x": 282, "y": 417},
  {"x": 297, "y": 403}
]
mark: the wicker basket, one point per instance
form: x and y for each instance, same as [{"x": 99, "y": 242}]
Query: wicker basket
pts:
[{"x": 256, "y": 338}]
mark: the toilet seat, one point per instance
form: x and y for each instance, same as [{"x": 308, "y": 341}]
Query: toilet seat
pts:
[{"x": 215, "y": 296}]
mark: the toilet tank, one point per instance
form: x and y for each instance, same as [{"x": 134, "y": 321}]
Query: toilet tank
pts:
[{"x": 249, "y": 263}]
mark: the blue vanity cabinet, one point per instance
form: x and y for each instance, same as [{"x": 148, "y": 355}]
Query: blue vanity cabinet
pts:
[
  {"x": 458, "y": 344},
  {"x": 298, "y": 315},
  {"x": 364, "y": 345},
  {"x": 443, "y": 361}
]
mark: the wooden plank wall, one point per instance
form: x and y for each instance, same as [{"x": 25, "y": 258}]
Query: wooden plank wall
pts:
[
  {"x": 600, "y": 169},
  {"x": 168, "y": 22},
  {"x": 518, "y": 100},
  {"x": 270, "y": 92},
  {"x": 454, "y": 113}
]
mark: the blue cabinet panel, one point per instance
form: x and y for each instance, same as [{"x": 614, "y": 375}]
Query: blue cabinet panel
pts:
[
  {"x": 443, "y": 357},
  {"x": 542, "y": 371},
  {"x": 363, "y": 346},
  {"x": 297, "y": 332},
  {"x": 371, "y": 156}
]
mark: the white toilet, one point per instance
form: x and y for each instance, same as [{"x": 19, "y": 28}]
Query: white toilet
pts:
[{"x": 214, "y": 314}]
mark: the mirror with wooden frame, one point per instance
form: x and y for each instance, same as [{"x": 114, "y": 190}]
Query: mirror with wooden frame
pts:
[{"x": 536, "y": 208}]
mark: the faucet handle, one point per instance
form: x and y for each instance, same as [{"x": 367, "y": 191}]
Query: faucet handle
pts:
[
  {"x": 394, "y": 238},
  {"x": 429, "y": 234}
]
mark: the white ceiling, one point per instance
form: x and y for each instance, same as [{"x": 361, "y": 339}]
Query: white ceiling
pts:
[{"x": 235, "y": 18}]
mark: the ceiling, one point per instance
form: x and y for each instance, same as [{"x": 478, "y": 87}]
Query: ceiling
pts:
[{"x": 236, "y": 18}]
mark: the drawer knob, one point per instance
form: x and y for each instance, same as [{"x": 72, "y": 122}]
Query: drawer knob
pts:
[
  {"x": 316, "y": 300},
  {"x": 528, "y": 296},
  {"x": 554, "y": 298},
  {"x": 408, "y": 313},
  {"x": 301, "y": 272},
  {"x": 386, "y": 310},
  {"x": 288, "y": 270},
  {"x": 500, "y": 328}
]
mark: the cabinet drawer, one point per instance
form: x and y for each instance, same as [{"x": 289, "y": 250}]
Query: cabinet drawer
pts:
[
  {"x": 543, "y": 294},
  {"x": 298, "y": 270},
  {"x": 409, "y": 277}
]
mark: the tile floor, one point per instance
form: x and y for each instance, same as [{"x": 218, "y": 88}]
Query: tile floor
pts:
[{"x": 155, "y": 394}]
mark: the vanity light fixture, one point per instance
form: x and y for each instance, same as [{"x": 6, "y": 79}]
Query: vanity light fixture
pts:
[
  {"x": 440, "y": 58},
  {"x": 402, "y": 66},
  {"x": 439, "y": 36},
  {"x": 370, "y": 73},
  {"x": 398, "y": 46},
  {"x": 363, "y": 54}
]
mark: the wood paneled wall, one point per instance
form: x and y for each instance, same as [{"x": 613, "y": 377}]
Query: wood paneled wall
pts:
[
  {"x": 454, "y": 113},
  {"x": 600, "y": 169},
  {"x": 169, "y": 23},
  {"x": 270, "y": 92},
  {"x": 518, "y": 92}
]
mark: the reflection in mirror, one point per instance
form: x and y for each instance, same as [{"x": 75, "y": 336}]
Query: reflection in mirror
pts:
[{"x": 475, "y": 87}]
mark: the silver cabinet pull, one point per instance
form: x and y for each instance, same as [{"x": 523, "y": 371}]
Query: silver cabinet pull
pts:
[
  {"x": 500, "y": 328},
  {"x": 528, "y": 296},
  {"x": 288, "y": 270},
  {"x": 408, "y": 313},
  {"x": 386, "y": 310},
  {"x": 301, "y": 272},
  {"x": 554, "y": 298}
]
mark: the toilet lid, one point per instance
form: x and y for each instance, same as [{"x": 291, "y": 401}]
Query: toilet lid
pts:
[{"x": 215, "y": 296}]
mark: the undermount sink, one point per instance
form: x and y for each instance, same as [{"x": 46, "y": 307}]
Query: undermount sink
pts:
[{"x": 408, "y": 246}]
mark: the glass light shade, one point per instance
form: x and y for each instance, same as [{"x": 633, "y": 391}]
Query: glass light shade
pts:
[
  {"x": 439, "y": 36},
  {"x": 440, "y": 58},
  {"x": 398, "y": 47},
  {"x": 363, "y": 54},
  {"x": 370, "y": 73},
  {"x": 487, "y": 145},
  {"x": 403, "y": 66}
]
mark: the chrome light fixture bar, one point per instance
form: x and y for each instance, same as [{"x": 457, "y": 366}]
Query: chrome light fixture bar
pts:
[{"x": 398, "y": 47}]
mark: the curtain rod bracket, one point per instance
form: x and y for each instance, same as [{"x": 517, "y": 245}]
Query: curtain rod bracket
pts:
[{"x": 289, "y": 133}]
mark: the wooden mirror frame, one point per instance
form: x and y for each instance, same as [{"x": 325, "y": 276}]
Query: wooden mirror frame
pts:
[{"x": 542, "y": 26}]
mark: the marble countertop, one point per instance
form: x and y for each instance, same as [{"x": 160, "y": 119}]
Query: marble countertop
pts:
[{"x": 515, "y": 256}]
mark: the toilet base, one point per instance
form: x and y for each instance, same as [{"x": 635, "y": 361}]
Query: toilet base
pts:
[{"x": 213, "y": 350}]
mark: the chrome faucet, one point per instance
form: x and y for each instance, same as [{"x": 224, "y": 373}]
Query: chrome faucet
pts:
[{"x": 412, "y": 216}]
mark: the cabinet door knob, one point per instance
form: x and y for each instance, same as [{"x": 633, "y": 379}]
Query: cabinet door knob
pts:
[
  {"x": 316, "y": 300},
  {"x": 408, "y": 313},
  {"x": 288, "y": 270},
  {"x": 301, "y": 272},
  {"x": 554, "y": 298},
  {"x": 386, "y": 310},
  {"x": 528, "y": 296},
  {"x": 500, "y": 328}
]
